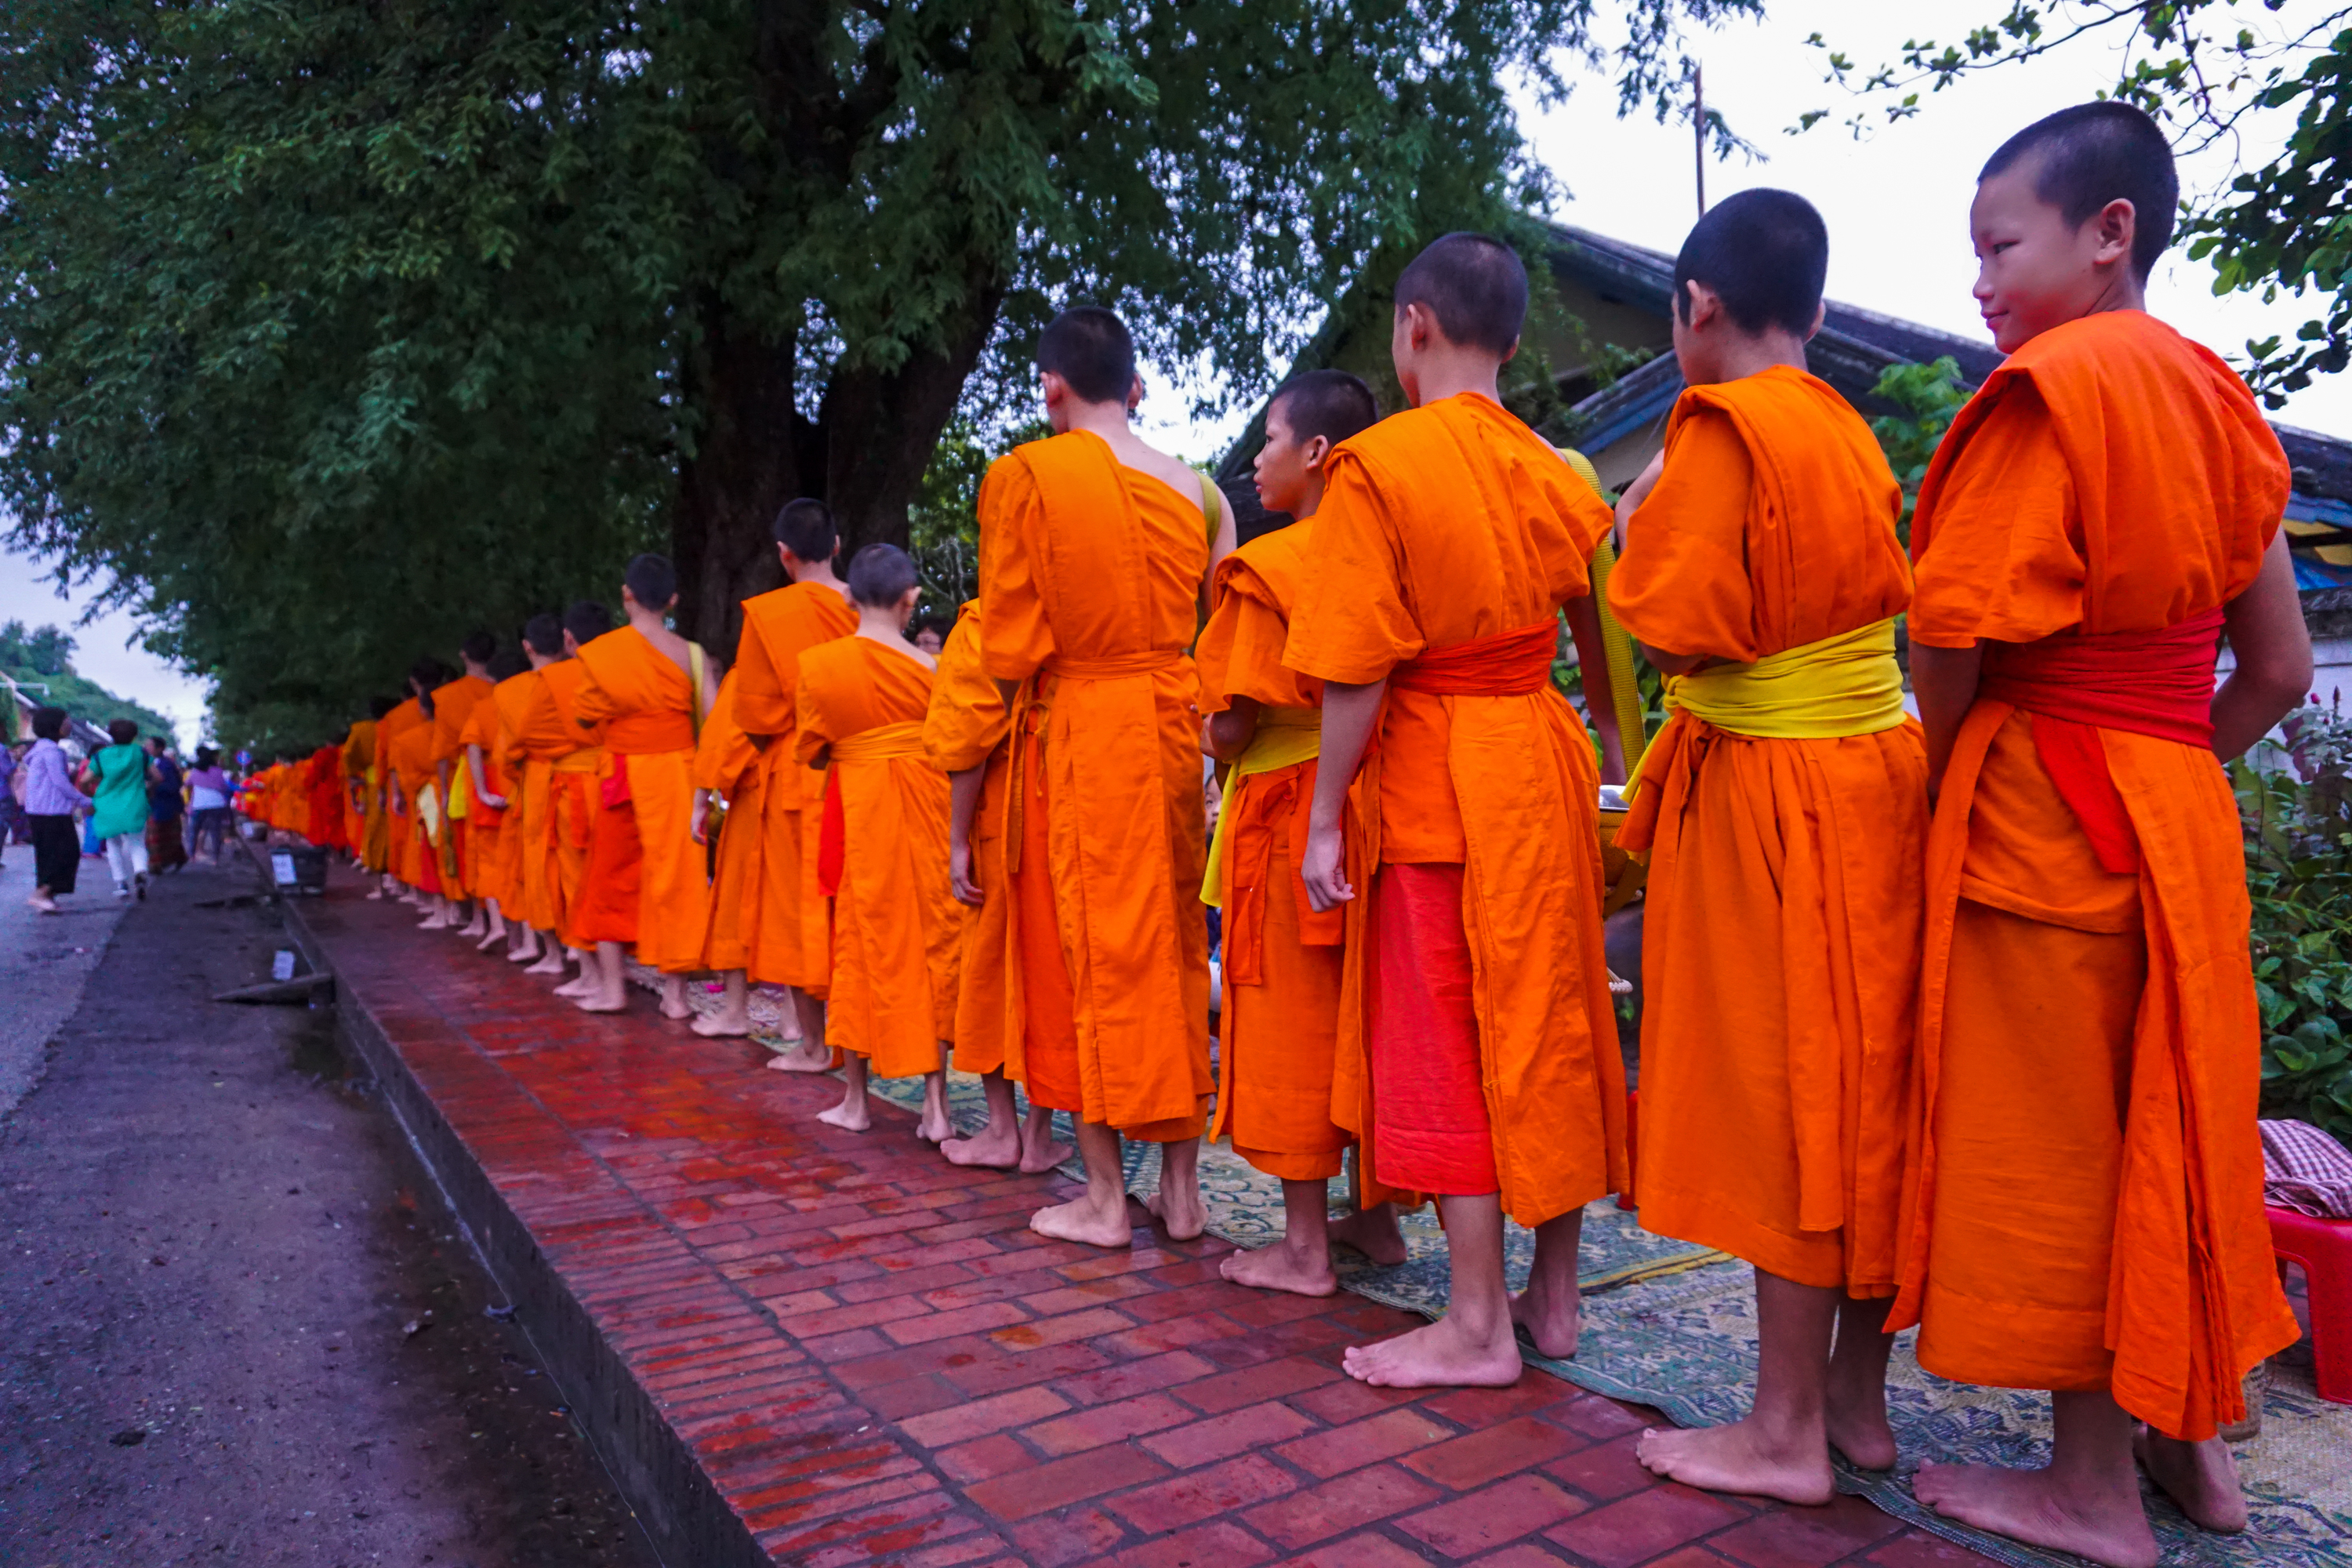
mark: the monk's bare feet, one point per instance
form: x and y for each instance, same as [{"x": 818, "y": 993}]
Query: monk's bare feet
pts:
[
  {"x": 1740, "y": 1459},
  {"x": 1040, "y": 1153},
  {"x": 576, "y": 987},
  {"x": 1302, "y": 1271},
  {"x": 1084, "y": 1221},
  {"x": 549, "y": 963},
  {"x": 433, "y": 921},
  {"x": 489, "y": 940},
  {"x": 850, "y": 1115},
  {"x": 1446, "y": 1354},
  {"x": 2028, "y": 1505},
  {"x": 1181, "y": 1213},
  {"x": 1856, "y": 1420},
  {"x": 527, "y": 954},
  {"x": 1549, "y": 1317},
  {"x": 598, "y": 1000},
  {"x": 995, "y": 1147},
  {"x": 674, "y": 1005},
  {"x": 377, "y": 894},
  {"x": 722, "y": 1025},
  {"x": 1372, "y": 1232},
  {"x": 802, "y": 1057},
  {"x": 2202, "y": 1478}
]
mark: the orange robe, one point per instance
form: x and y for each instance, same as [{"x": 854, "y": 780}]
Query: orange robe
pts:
[
  {"x": 453, "y": 710},
  {"x": 399, "y": 826},
  {"x": 359, "y": 821},
  {"x": 895, "y": 922},
  {"x": 323, "y": 782},
  {"x": 727, "y": 766},
  {"x": 537, "y": 737},
  {"x": 486, "y": 860},
  {"x": 1090, "y": 575},
  {"x": 1283, "y": 961},
  {"x": 2088, "y": 1179},
  {"x": 1440, "y": 528},
  {"x": 967, "y": 727},
  {"x": 412, "y": 761},
  {"x": 789, "y": 940},
  {"x": 575, "y": 794},
  {"x": 1780, "y": 949},
  {"x": 648, "y": 710}
]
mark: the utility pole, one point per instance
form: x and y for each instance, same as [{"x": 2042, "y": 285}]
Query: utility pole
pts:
[{"x": 1698, "y": 132}]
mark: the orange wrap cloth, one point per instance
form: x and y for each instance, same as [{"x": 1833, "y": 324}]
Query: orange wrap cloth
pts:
[
  {"x": 2087, "y": 1205},
  {"x": 361, "y": 813},
  {"x": 484, "y": 865},
  {"x": 575, "y": 792},
  {"x": 1446, "y": 526},
  {"x": 452, "y": 713},
  {"x": 645, "y": 703},
  {"x": 1090, "y": 579},
  {"x": 727, "y": 768},
  {"x": 534, "y": 735},
  {"x": 324, "y": 786},
  {"x": 966, "y": 727},
  {"x": 418, "y": 859},
  {"x": 397, "y": 826},
  {"x": 896, "y": 923},
  {"x": 791, "y": 939},
  {"x": 1283, "y": 962},
  {"x": 1779, "y": 948}
]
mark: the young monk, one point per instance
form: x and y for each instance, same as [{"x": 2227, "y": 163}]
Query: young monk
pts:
[
  {"x": 1283, "y": 964},
  {"x": 363, "y": 794},
  {"x": 966, "y": 735},
  {"x": 417, "y": 800},
  {"x": 1095, "y": 554},
  {"x": 645, "y": 691},
  {"x": 490, "y": 834},
  {"x": 883, "y": 847},
  {"x": 790, "y": 943},
  {"x": 536, "y": 738},
  {"x": 577, "y": 786},
  {"x": 1785, "y": 800},
  {"x": 400, "y": 716},
  {"x": 2087, "y": 1215},
  {"x": 1480, "y": 1063},
  {"x": 726, "y": 823},
  {"x": 453, "y": 711}
]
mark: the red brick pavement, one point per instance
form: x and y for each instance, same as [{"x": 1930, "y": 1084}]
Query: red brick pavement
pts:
[{"x": 874, "y": 1360}]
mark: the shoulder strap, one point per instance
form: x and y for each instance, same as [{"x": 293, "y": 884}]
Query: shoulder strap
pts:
[
  {"x": 697, "y": 672},
  {"x": 1616, "y": 643},
  {"x": 1211, "y": 507}
]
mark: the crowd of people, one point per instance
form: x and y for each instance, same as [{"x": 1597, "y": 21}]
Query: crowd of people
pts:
[
  {"x": 128, "y": 803},
  {"x": 1949, "y": 1020}
]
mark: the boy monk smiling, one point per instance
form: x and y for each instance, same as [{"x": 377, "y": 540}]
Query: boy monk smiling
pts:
[
  {"x": 2087, "y": 1216},
  {"x": 1786, "y": 800},
  {"x": 1478, "y": 1057},
  {"x": 1283, "y": 962}
]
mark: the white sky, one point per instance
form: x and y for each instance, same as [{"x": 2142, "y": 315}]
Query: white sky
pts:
[{"x": 1897, "y": 205}]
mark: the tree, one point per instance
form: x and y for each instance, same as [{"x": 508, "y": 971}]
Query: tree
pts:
[{"x": 333, "y": 329}]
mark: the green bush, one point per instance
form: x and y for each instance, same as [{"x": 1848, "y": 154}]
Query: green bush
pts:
[{"x": 2298, "y": 826}]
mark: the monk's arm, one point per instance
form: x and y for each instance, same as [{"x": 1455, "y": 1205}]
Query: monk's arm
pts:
[
  {"x": 1945, "y": 682},
  {"x": 963, "y": 806},
  {"x": 1630, "y": 498},
  {"x": 2273, "y": 648},
  {"x": 698, "y": 826},
  {"x": 482, "y": 791},
  {"x": 1350, "y": 713},
  {"x": 1600, "y": 699},
  {"x": 1226, "y": 735},
  {"x": 441, "y": 771},
  {"x": 1227, "y": 540}
]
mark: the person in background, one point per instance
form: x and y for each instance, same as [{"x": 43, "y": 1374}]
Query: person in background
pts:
[
  {"x": 208, "y": 793},
  {"x": 52, "y": 801},
  {"x": 167, "y": 848},
  {"x": 14, "y": 828},
  {"x": 119, "y": 775},
  {"x": 929, "y": 633}
]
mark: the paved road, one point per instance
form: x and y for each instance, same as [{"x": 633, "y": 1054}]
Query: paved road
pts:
[
  {"x": 239, "y": 1328},
  {"x": 44, "y": 961}
]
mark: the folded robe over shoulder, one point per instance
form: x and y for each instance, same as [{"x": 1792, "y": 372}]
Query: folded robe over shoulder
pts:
[
  {"x": 896, "y": 923},
  {"x": 1090, "y": 578},
  {"x": 645, "y": 703},
  {"x": 1441, "y": 527},
  {"x": 967, "y": 726},
  {"x": 727, "y": 768},
  {"x": 2087, "y": 1176},
  {"x": 790, "y": 943},
  {"x": 1780, "y": 949}
]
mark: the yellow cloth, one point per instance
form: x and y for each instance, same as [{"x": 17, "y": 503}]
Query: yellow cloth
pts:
[
  {"x": 1285, "y": 738},
  {"x": 1845, "y": 685},
  {"x": 428, "y": 810},
  {"x": 461, "y": 791}
]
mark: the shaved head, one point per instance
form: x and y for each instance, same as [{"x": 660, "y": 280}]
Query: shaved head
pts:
[
  {"x": 2094, "y": 153},
  {"x": 1327, "y": 402},
  {"x": 1765, "y": 253},
  {"x": 1091, "y": 349},
  {"x": 1474, "y": 285}
]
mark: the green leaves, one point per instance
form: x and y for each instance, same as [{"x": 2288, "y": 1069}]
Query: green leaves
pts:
[{"x": 1930, "y": 396}]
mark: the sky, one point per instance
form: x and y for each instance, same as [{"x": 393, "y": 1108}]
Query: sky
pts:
[{"x": 1895, "y": 203}]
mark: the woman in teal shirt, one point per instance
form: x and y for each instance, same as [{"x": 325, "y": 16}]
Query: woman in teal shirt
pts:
[{"x": 119, "y": 777}]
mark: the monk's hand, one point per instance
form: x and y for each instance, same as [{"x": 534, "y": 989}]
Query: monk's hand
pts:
[
  {"x": 967, "y": 891},
  {"x": 1630, "y": 500},
  {"x": 698, "y": 824},
  {"x": 1324, "y": 868}
]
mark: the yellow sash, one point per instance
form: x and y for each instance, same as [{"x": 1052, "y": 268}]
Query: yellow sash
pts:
[
  {"x": 461, "y": 792},
  {"x": 1845, "y": 685},
  {"x": 1285, "y": 737}
]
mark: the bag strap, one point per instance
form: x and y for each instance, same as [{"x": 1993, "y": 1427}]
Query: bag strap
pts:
[
  {"x": 1211, "y": 507},
  {"x": 1616, "y": 643},
  {"x": 698, "y": 671}
]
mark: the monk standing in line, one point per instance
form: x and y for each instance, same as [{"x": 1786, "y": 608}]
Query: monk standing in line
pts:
[
  {"x": 1786, "y": 800},
  {"x": 1283, "y": 964},
  {"x": 727, "y": 787},
  {"x": 1480, "y": 1062},
  {"x": 1094, "y": 551},
  {"x": 966, "y": 735},
  {"x": 578, "y": 789},
  {"x": 645, "y": 691},
  {"x": 790, "y": 942},
  {"x": 883, "y": 847},
  {"x": 490, "y": 833},
  {"x": 398, "y": 719},
  {"x": 536, "y": 737},
  {"x": 362, "y": 799},
  {"x": 417, "y": 801},
  {"x": 2087, "y": 1216},
  {"x": 453, "y": 710}
]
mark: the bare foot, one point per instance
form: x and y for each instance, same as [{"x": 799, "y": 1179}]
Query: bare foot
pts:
[
  {"x": 433, "y": 922},
  {"x": 991, "y": 1148},
  {"x": 1549, "y": 1318},
  {"x": 2026, "y": 1505},
  {"x": 933, "y": 1126},
  {"x": 802, "y": 1058},
  {"x": 1738, "y": 1459},
  {"x": 1040, "y": 1152},
  {"x": 489, "y": 940},
  {"x": 676, "y": 1011},
  {"x": 721, "y": 1027},
  {"x": 1281, "y": 1268},
  {"x": 524, "y": 955},
  {"x": 1079, "y": 1220},
  {"x": 1443, "y": 1355},
  {"x": 2202, "y": 1478},
  {"x": 1372, "y": 1232},
  {"x": 596, "y": 1000},
  {"x": 1856, "y": 1419},
  {"x": 550, "y": 963},
  {"x": 578, "y": 985},
  {"x": 377, "y": 894},
  {"x": 849, "y": 1118},
  {"x": 1181, "y": 1215}
]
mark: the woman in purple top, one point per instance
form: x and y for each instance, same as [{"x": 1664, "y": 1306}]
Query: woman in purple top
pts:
[{"x": 52, "y": 801}]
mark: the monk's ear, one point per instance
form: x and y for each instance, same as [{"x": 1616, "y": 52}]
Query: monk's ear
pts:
[
  {"x": 2115, "y": 227},
  {"x": 1056, "y": 390},
  {"x": 1512, "y": 353},
  {"x": 1317, "y": 449},
  {"x": 1134, "y": 394},
  {"x": 1821, "y": 314}
]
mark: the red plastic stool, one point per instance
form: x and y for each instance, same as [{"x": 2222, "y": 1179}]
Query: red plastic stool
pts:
[{"x": 2324, "y": 1247}]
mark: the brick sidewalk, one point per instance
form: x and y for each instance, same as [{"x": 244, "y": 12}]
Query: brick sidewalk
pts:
[{"x": 872, "y": 1359}]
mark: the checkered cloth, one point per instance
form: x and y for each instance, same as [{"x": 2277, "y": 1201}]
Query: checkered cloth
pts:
[{"x": 2306, "y": 1170}]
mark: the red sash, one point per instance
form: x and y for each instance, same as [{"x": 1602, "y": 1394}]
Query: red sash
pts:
[{"x": 1508, "y": 664}]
